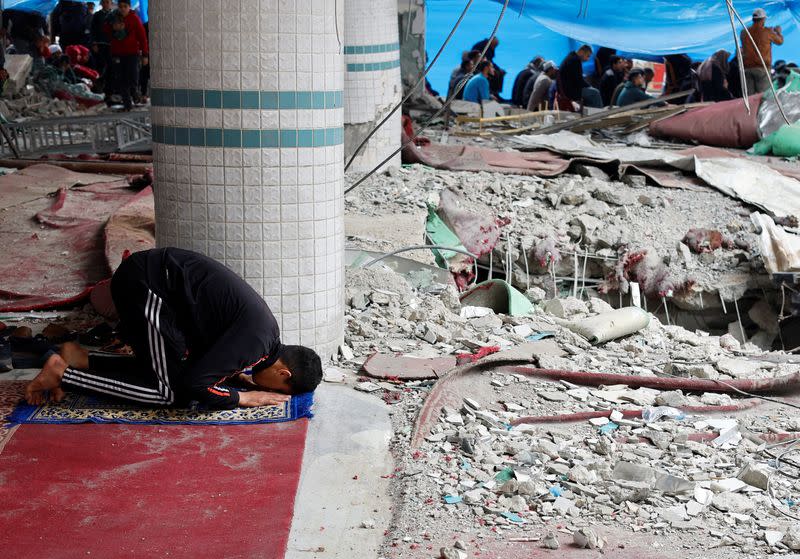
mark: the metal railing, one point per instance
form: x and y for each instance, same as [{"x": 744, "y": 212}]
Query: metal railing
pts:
[{"x": 114, "y": 132}]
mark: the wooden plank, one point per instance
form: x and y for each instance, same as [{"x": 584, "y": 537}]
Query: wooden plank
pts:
[{"x": 599, "y": 115}]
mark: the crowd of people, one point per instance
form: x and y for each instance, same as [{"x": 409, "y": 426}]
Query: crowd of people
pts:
[
  {"x": 614, "y": 81},
  {"x": 104, "y": 51}
]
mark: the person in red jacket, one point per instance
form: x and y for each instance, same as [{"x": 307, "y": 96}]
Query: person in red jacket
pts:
[{"x": 129, "y": 49}]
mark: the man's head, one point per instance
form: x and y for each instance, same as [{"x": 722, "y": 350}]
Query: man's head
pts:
[
  {"x": 474, "y": 56},
  {"x": 495, "y": 42},
  {"x": 537, "y": 62},
  {"x": 585, "y": 52},
  {"x": 105, "y": 5},
  {"x": 467, "y": 66},
  {"x": 124, "y": 7},
  {"x": 617, "y": 63},
  {"x": 485, "y": 67},
  {"x": 298, "y": 370},
  {"x": 90, "y": 6},
  {"x": 649, "y": 74},
  {"x": 636, "y": 77},
  {"x": 550, "y": 69},
  {"x": 759, "y": 17}
]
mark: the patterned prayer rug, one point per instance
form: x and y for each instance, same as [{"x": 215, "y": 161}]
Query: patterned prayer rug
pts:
[
  {"x": 10, "y": 394},
  {"x": 84, "y": 408}
]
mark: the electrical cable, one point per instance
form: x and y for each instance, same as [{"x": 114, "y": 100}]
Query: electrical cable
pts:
[
  {"x": 436, "y": 115},
  {"x": 413, "y": 89}
]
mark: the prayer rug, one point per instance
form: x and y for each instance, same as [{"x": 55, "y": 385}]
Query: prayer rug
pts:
[
  {"x": 10, "y": 394},
  {"x": 87, "y": 408}
]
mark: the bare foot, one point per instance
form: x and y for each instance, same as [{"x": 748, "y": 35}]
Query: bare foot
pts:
[
  {"x": 48, "y": 379},
  {"x": 75, "y": 355}
]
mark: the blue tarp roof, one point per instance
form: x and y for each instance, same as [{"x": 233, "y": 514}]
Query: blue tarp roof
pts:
[
  {"x": 640, "y": 28},
  {"x": 698, "y": 27},
  {"x": 44, "y": 7}
]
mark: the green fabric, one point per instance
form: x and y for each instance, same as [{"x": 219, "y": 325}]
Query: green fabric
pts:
[
  {"x": 440, "y": 234},
  {"x": 479, "y": 296},
  {"x": 785, "y": 142}
]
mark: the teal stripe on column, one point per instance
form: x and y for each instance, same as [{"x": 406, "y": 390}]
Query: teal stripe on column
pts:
[
  {"x": 245, "y": 99},
  {"x": 249, "y": 139},
  {"x": 371, "y": 49},
  {"x": 373, "y": 66}
]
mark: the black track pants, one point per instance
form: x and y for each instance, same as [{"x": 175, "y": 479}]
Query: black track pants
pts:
[{"x": 148, "y": 325}]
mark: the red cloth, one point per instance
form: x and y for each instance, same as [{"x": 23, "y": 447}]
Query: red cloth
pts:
[
  {"x": 135, "y": 42},
  {"x": 85, "y": 72},
  {"x": 78, "y": 54},
  {"x": 725, "y": 124}
]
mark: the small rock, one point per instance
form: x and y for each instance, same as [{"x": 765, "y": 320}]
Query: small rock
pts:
[
  {"x": 368, "y": 523},
  {"x": 636, "y": 181},
  {"x": 732, "y": 502},
  {"x": 728, "y": 342},
  {"x": 791, "y": 538},
  {"x": 536, "y": 295},
  {"x": 550, "y": 541},
  {"x": 755, "y": 475},
  {"x": 451, "y": 553},
  {"x": 772, "y": 537},
  {"x": 346, "y": 353},
  {"x": 587, "y": 538}
]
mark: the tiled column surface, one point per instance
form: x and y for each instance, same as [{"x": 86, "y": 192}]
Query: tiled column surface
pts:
[
  {"x": 248, "y": 149},
  {"x": 372, "y": 80}
]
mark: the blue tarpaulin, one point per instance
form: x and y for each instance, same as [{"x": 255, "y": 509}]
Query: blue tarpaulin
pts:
[
  {"x": 640, "y": 28},
  {"x": 653, "y": 26},
  {"x": 44, "y": 7}
]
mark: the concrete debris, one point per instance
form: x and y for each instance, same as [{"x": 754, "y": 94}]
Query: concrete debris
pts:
[
  {"x": 550, "y": 541},
  {"x": 791, "y": 538},
  {"x": 666, "y": 470},
  {"x": 587, "y": 538}
]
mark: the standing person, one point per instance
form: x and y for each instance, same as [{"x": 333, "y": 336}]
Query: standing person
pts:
[
  {"x": 612, "y": 77},
  {"x": 756, "y": 77},
  {"x": 572, "y": 87},
  {"x": 144, "y": 74},
  {"x": 541, "y": 89},
  {"x": 195, "y": 328},
  {"x": 602, "y": 61},
  {"x": 68, "y": 23},
  {"x": 533, "y": 67},
  {"x": 128, "y": 49},
  {"x": 23, "y": 29},
  {"x": 496, "y": 79},
  {"x": 477, "y": 88},
  {"x": 712, "y": 75},
  {"x": 101, "y": 47}
]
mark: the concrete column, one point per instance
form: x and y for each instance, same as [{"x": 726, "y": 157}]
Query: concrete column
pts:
[
  {"x": 248, "y": 149},
  {"x": 372, "y": 80}
]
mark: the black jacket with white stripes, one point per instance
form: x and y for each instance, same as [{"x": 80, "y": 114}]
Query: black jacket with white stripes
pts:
[{"x": 226, "y": 324}]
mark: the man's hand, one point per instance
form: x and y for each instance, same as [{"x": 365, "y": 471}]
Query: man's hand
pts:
[
  {"x": 145, "y": 61},
  {"x": 95, "y": 48},
  {"x": 258, "y": 398}
]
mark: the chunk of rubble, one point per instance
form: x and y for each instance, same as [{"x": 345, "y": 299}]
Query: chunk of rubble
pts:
[{"x": 587, "y": 538}]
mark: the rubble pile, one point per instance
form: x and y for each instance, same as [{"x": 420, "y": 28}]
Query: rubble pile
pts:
[
  {"x": 607, "y": 231},
  {"x": 33, "y": 105},
  {"x": 695, "y": 477}
]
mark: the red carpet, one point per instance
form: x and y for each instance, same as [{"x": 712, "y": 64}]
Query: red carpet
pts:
[
  {"x": 142, "y": 491},
  {"x": 52, "y": 235}
]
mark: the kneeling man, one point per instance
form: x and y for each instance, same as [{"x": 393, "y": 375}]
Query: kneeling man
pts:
[{"x": 195, "y": 327}]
